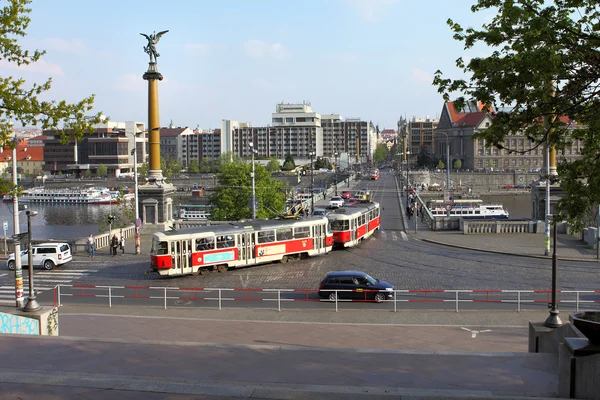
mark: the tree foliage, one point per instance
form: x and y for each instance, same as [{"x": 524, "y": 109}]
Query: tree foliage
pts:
[
  {"x": 194, "y": 166},
  {"x": 543, "y": 66},
  {"x": 381, "y": 153},
  {"x": 102, "y": 170},
  {"x": 26, "y": 104},
  {"x": 232, "y": 195},
  {"x": 457, "y": 164},
  {"x": 289, "y": 163},
  {"x": 426, "y": 158},
  {"x": 273, "y": 165}
]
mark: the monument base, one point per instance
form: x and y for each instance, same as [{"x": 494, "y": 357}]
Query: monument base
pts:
[
  {"x": 156, "y": 205},
  {"x": 40, "y": 322}
]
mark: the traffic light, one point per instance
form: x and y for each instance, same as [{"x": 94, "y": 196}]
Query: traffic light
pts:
[{"x": 111, "y": 219}]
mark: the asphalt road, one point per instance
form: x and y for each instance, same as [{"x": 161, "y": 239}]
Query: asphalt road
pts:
[{"x": 390, "y": 255}]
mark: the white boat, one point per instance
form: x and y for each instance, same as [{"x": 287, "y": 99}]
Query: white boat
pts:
[
  {"x": 468, "y": 209},
  {"x": 193, "y": 212},
  {"x": 87, "y": 195}
]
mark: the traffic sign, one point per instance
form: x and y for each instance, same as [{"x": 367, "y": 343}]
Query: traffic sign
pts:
[
  {"x": 5, "y": 226},
  {"x": 138, "y": 222},
  {"x": 448, "y": 207}
]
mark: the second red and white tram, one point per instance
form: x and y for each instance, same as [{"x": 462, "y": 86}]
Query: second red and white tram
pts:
[
  {"x": 220, "y": 247},
  {"x": 352, "y": 224}
]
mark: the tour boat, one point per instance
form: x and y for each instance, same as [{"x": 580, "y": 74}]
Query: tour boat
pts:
[
  {"x": 88, "y": 195},
  {"x": 468, "y": 209}
]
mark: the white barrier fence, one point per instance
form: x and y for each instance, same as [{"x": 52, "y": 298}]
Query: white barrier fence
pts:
[{"x": 176, "y": 297}]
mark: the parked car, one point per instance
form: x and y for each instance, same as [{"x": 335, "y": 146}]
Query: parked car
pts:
[
  {"x": 509, "y": 186},
  {"x": 354, "y": 285},
  {"x": 336, "y": 202},
  {"x": 345, "y": 194},
  {"x": 47, "y": 255},
  {"x": 351, "y": 201}
]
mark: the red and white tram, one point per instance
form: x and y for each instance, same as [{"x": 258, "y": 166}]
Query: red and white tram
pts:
[
  {"x": 352, "y": 224},
  {"x": 220, "y": 247}
]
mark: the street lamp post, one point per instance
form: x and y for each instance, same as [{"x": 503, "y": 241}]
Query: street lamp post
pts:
[
  {"x": 253, "y": 200},
  {"x": 312, "y": 183},
  {"x": 335, "y": 155},
  {"x": 136, "y": 200},
  {"x": 553, "y": 320},
  {"x": 16, "y": 238},
  {"x": 447, "y": 160},
  {"x": 32, "y": 304}
]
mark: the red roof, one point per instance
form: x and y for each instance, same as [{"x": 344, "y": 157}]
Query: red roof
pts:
[
  {"x": 24, "y": 152},
  {"x": 470, "y": 118}
]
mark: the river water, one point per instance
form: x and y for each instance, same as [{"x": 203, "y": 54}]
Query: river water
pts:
[
  {"x": 57, "y": 221},
  {"x": 77, "y": 221}
]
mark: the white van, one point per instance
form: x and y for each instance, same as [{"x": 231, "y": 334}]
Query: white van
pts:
[{"x": 48, "y": 255}]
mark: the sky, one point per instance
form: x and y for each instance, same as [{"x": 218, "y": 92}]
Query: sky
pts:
[{"x": 236, "y": 59}]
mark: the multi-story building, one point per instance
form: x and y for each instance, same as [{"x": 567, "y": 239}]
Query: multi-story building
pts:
[
  {"x": 518, "y": 153},
  {"x": 420, "y": 134},
  {"x": 298, "y": 130},
  {"x": 110, "y": 145},
  {"x": 176, "y": 143}
]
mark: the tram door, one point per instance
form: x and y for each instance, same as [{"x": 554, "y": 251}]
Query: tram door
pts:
[
  {"x": 319, "y": 237},
  {"x": 247, "y": 248},
  {"x": 181, "y": 252},
  {"x": 353, "y": 227}
]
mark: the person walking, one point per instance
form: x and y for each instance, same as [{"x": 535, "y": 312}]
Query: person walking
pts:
[
  {"x": 122, "y": 245},
  {"x": 91, "y": 245},
  {"x": 114, "y": 244}
]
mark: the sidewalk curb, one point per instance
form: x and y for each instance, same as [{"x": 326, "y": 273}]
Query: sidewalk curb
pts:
[{"x": 501, "y": 252}]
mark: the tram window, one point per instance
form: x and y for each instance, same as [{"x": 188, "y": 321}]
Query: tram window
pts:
[
  {"x": 284, "y": 234},
  {"x": 266, "y": 236},
  {"x": 162, "y": 248},
  {"x": 302, "y": 232},
  {"x": 225, "y": 241},
  {"x": 207, "y": 243},
  {"x": 340, "y": 225}
]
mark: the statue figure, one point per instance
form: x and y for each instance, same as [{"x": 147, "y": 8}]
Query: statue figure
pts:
[{"x": 151, "y": 47}]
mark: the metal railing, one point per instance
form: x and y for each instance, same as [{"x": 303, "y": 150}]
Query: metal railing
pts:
[{"x": 165, "y": 297}]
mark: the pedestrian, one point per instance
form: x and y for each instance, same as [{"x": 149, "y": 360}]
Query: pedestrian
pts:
[
  {"x": 122, "y": 245},
  {"x": 408, "y": 211},
  {"x": 91, "y": 245},
  {"x": 114, "y": 244}
]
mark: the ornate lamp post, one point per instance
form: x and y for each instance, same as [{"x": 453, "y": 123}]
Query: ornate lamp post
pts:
[{"x": 32, "y": 304}]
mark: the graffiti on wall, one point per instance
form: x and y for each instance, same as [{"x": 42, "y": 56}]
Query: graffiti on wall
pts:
[
  {"x": 52, "y": 323},
  {"x": 10, "y": 323}
]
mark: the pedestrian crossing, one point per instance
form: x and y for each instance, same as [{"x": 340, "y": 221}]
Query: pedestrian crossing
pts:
[
  {"x": 392, "y": 235},
  {"x": 44, "y": 281}
]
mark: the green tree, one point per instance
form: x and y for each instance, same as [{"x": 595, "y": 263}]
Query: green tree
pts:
[
  {"x": 289, "y": 163},
  {"x": 457, "y": 164},
  {"x": 194, "y": 166},
  {"x": 170, "y": 167},
  {"x": 543, "y": 66},
  {"x": 123, "y": 211},
  {"x": 232, "y": 195},
  {"x": 273, "y": 165},
  {"x": 102, "y": 170},
  {"x": 87, "y": 173},
  {"x": 381, "y": 153},
  {"x": 28, "y": 106},
  {"x": 440, "y": 165},
  {"x": 143, "y": 171},
  {"x": 426, "y": 158}
]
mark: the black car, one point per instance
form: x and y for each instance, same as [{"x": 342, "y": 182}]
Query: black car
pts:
[{"x": 354, "y": 285}]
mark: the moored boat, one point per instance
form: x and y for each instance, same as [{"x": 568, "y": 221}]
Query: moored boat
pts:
[
  {"x": 468, "y": 209},
  {"x": 86, "y": 195}
]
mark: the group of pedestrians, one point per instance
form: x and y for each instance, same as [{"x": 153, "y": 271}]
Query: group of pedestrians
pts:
[{"x": 115, "y": 245}]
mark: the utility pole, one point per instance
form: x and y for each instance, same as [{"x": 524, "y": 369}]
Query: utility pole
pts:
[{"x": 20, "y": 301}]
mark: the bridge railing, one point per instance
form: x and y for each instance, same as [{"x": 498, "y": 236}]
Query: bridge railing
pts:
[
  {"x": 470, "y": 227},
  {"x": 220, "y": 298}
]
